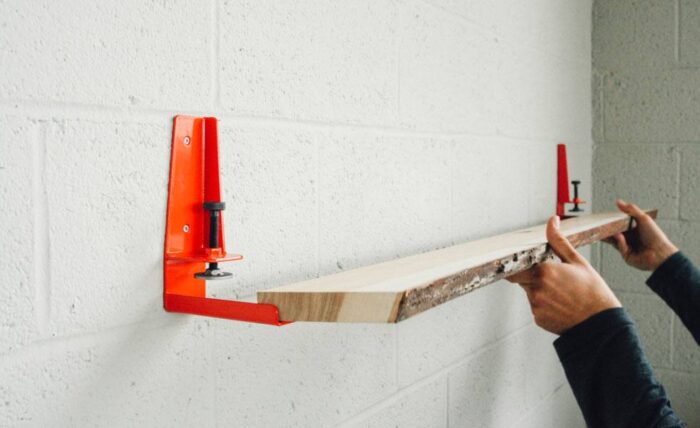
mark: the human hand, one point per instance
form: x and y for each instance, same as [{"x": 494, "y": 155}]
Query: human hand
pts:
[
  {"x": 562, "y": 295},
  {"x": 644, "y": 247}
]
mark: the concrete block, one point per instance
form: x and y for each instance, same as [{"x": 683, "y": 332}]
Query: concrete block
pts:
[
  {"x": 683, "y": 390},
  {"x": 541, "y": 97},
  {"x": 20, "y": 144},
  {"x": 490, "y": 187},
  {"x": 419, "y": 407},
  {"x": 127, "y": 54},
  {"x": 560, "y": 409},
  {"x": 652, "y": 106},
  {"x": 545, "y": 373},
  {"x": 301, "y": 375},
  {"x": 439, "y": 89},
  {"x": 541, "y": 184},
  {"x": 597, "y": 103},
  {"x": 685, "y": 236},
  {"x": 502, "y": 382},
  {"x": 270, "y": 180},
  {"x": 633, "y": 35},
  {"x": 535, "y": 25},
  {"x": 688, "y": 32},
  {"x": 142, "y": 375},
  {"x": 106, "y": 185},
  {"x": 686, "y": 355},
  {"x": 382, "y": 197},
  {"x": 690, "y": 183},
  {"x": 623, "y": 171},
  {"x": 446, "y": 334},
  {"x": 653, "y": 319},
  {"x": 317, "y": 61}
]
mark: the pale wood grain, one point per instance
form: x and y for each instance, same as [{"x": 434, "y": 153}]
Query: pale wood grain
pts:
[{"x": 398, "y": 289}]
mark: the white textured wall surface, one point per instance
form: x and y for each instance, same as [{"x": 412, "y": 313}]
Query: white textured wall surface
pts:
[
  {"x": 646, "y": 69},
  {"x": 351, "y": 133}
]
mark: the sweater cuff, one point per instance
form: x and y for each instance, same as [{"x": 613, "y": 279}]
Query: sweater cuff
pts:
[
  {"x": 588, "y": 334},
  {"x": 667, "y": 271}
]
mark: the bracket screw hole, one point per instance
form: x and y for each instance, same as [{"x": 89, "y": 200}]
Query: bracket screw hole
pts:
[
  {"x": 186, "y": 141},
  {"x": 186, "y": 228}
]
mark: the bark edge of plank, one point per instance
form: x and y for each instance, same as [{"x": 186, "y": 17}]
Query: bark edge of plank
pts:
[{"x": 326, "y": 299}]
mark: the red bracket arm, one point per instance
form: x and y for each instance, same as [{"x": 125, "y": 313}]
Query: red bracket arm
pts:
[
  {"x": 563, "y": 196},
  {"x": 194, "y": 179}
]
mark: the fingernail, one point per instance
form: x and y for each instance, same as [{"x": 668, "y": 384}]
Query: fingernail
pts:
[
  {"x": 622, "y": 202},
  {"x": 557, "y": 221}
]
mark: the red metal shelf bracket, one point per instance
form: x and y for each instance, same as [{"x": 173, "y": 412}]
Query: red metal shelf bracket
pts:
[
  {"x": 563, "y": 196},
  {"x": 191, "y": 241}
]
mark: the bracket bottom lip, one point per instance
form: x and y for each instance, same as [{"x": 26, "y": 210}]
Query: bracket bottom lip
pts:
[{"x": 261, "y": 313}]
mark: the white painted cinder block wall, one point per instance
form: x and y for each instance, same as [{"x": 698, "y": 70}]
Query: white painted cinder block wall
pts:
[
  {"x": 646, "y": 63},
  {"x": 352, "y": 132}
]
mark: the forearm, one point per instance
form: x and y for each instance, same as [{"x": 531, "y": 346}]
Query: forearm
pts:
[
  {"x": 677, "y": 281},
  {"x": 610, "y": 376}
]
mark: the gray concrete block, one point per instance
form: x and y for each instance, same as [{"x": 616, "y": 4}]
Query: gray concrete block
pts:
[
  {"x": 20, "y": 144},
  {"x": 440, "y": 90},
  {"x": 154, "y": 375},
  {"x": 382, "y": 197},
  {"x": 446, "y": 334},
  {"x": 106, "y": 184},
  {"x": 316, "y": 61},
  {"x": 689, "y": 32},
  {"x": 536, "y": 24},
  {"x": 690, "y": 183},
  {"x": 478, "y": 175},
  {"x": 127, "y": 54},
  {"x": 418, "y": 407},
  {"x": 631, "y": 34},
  {"x": 558, "y": 410},
  {"x": 543, "y": 98},
  {"x": 301, "y": 375},
  {"x": 623, "y": 171},
  {"x": 652, "y": 106},
  {"x": 686, "y": 236},
  {"x": 498, "y": 385}
]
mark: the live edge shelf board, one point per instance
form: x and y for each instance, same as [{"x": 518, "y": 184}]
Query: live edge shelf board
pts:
[{"x": 399, "y": 289}]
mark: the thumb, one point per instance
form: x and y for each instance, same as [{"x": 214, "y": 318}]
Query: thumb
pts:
[{"x": 559, "y": 244}]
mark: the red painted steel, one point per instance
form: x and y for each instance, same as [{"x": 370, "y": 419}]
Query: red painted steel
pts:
[
  {"x": 194, "y": 178},
  {"x": 563, "y": 196},
  {"x": 562, "y": 180}
]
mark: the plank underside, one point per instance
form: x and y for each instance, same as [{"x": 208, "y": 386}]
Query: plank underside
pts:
[{"x": 398, "y": 289}]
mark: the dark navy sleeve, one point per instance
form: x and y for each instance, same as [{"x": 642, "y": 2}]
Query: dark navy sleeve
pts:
[
  {"x": 677, "y": 281},
  {"x": 610, "y": 376}
]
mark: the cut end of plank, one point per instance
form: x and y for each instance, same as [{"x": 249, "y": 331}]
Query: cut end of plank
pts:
[{"x": 399, "y": 289}]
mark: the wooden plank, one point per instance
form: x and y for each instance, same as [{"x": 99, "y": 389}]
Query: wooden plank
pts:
[{"x": 398, "y": 289}]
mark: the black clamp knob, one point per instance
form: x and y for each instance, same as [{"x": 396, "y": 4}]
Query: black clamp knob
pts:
[
  {"x": 577, "y": 200},
  {"x": 213, "y": 272}
]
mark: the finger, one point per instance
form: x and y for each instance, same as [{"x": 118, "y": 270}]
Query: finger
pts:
[
  {"x": 632, "y": 210},
  {"x": 559, "y": 244},
  {"x": 524, "y": 277}
]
